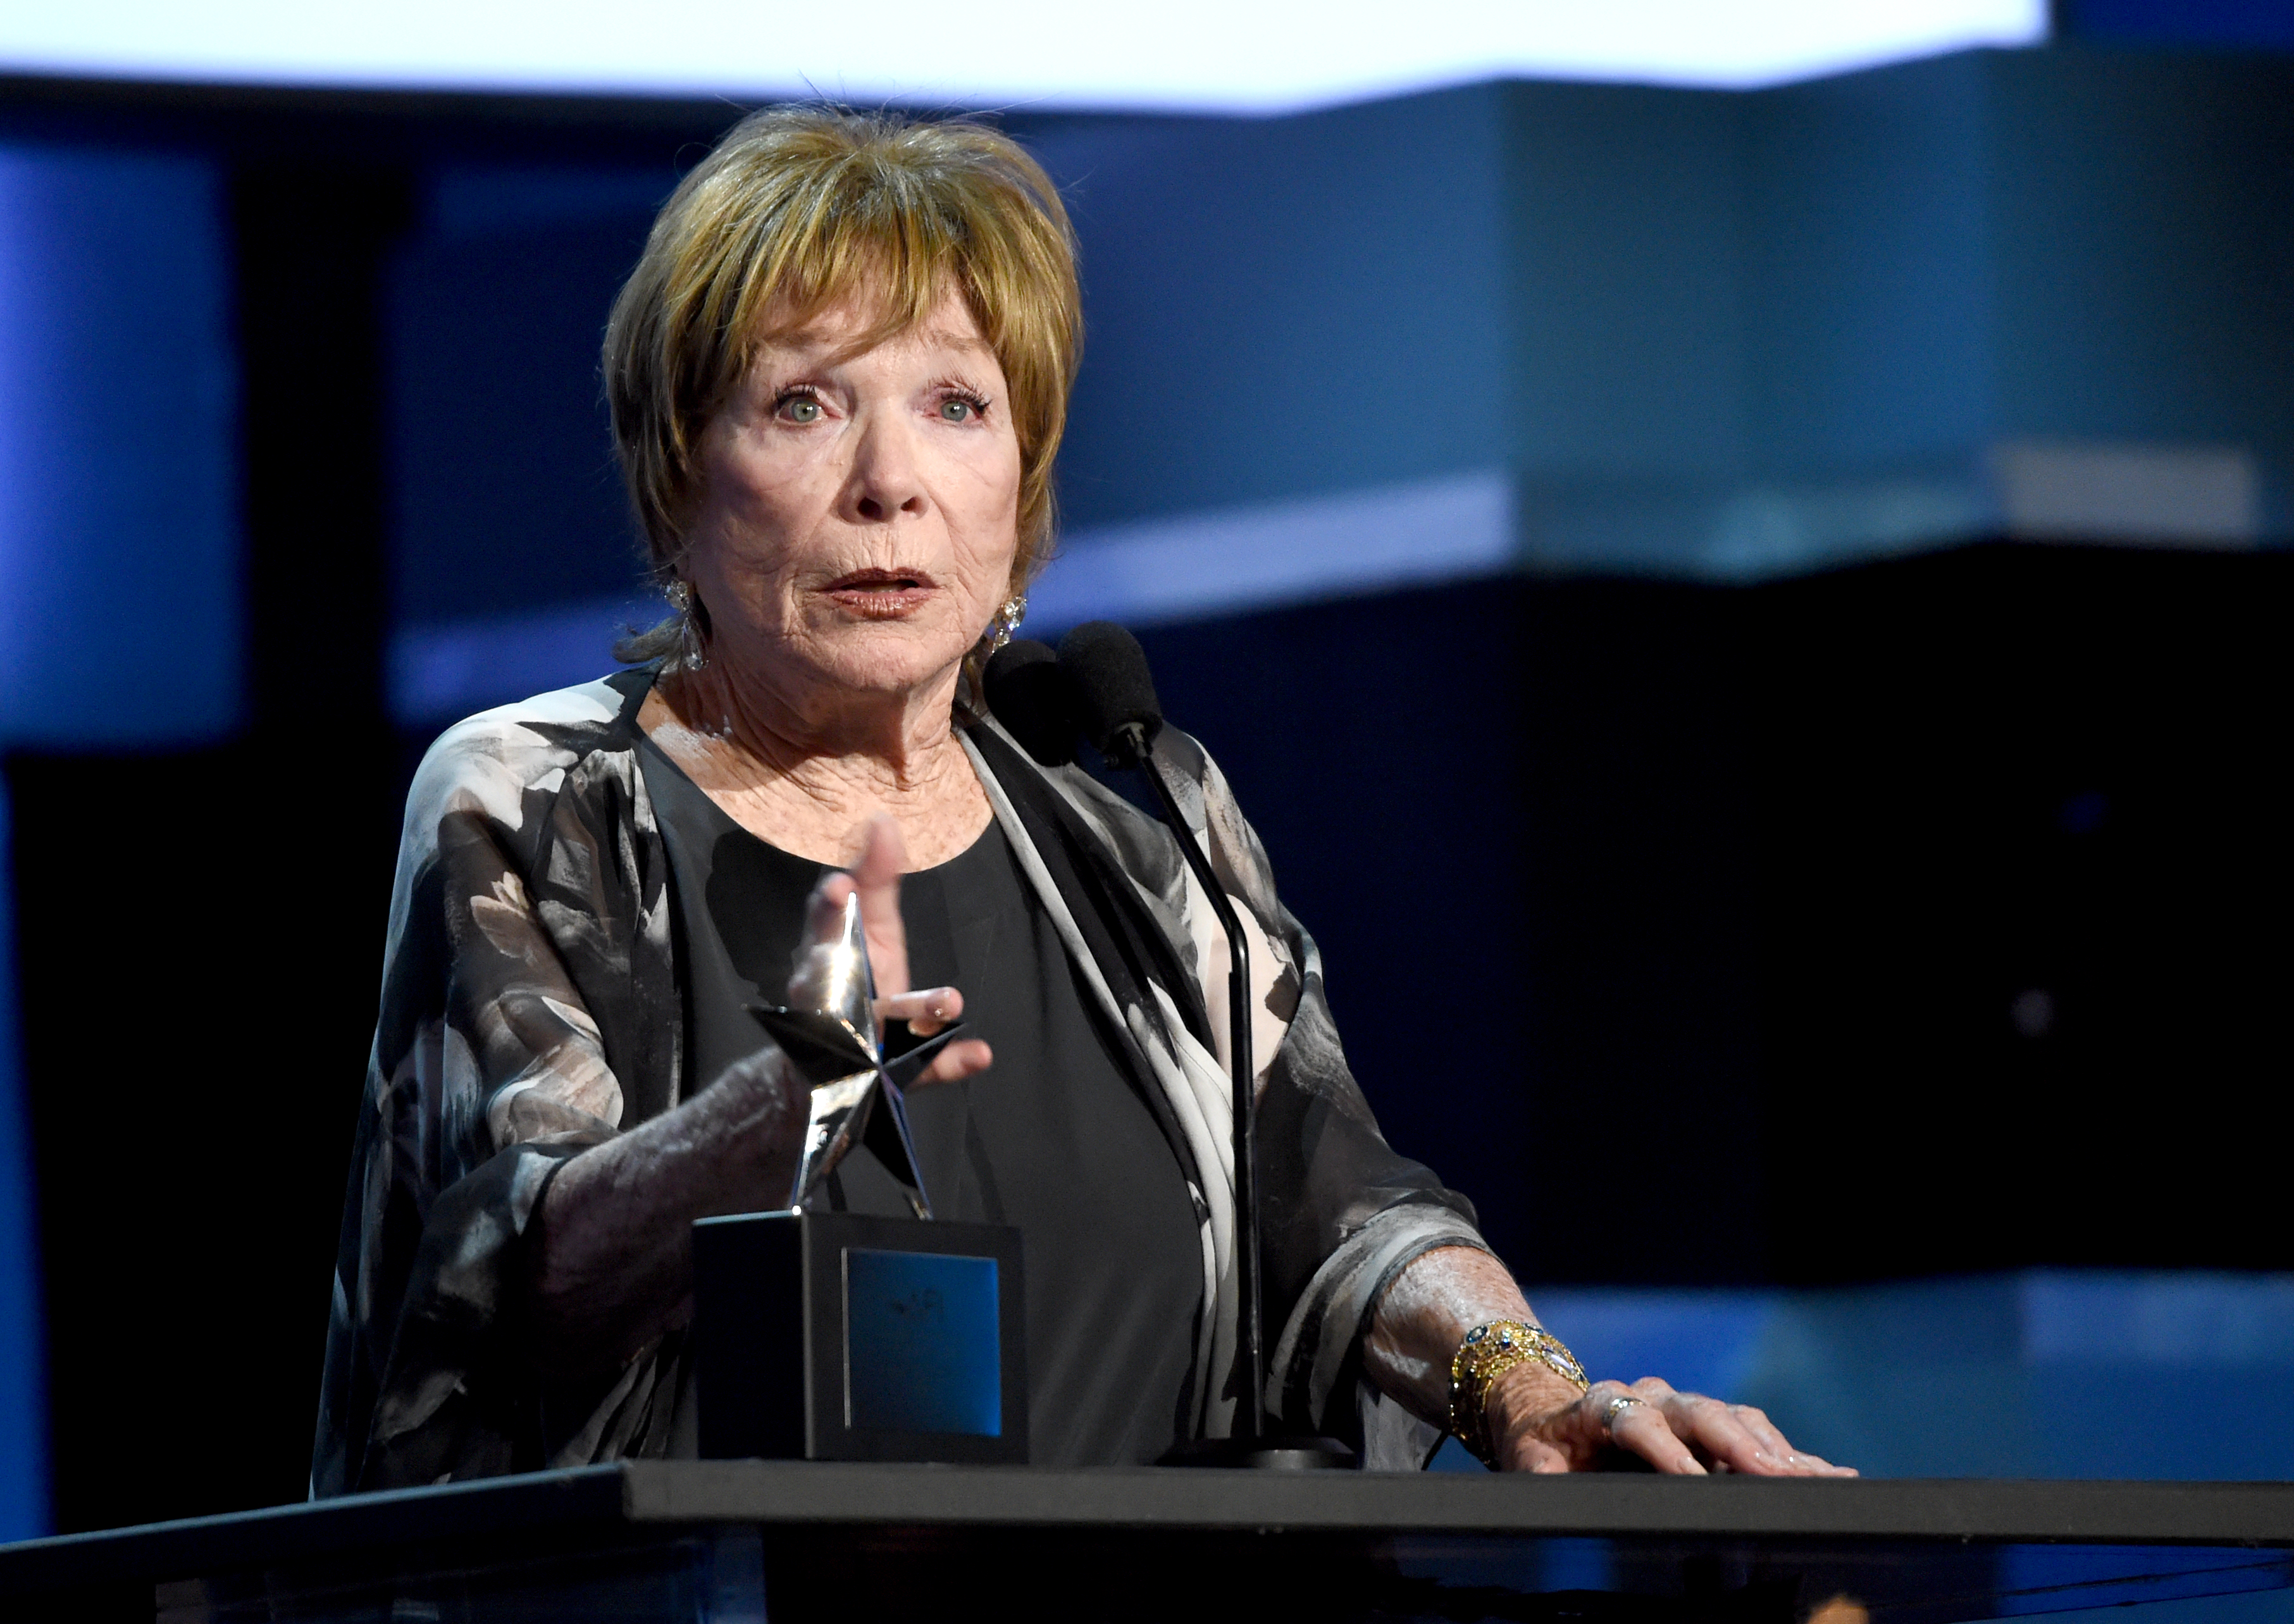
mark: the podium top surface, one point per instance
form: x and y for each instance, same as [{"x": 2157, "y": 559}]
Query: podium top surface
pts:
[{"x": 640, "y": 1499}]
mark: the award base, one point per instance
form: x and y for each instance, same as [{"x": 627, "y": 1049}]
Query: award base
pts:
[{"x": 838, "y": 1336}]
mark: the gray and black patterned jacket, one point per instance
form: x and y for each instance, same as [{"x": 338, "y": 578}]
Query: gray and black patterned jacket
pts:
[{"x": 531, "y": 1007}]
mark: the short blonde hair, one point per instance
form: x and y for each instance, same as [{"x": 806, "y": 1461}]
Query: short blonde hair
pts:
[{"x": 800, "y": 208}]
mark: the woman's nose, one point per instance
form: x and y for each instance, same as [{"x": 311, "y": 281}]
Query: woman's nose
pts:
[{"x": 884, "y": 475}]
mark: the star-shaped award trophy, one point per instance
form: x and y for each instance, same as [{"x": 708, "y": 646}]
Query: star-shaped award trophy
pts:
[
  {"x": 822, "y": 1335},
  {"x": 839, "y": 1049}
]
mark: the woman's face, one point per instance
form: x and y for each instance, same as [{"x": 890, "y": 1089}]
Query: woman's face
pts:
[{"x": 858, "y": 513}]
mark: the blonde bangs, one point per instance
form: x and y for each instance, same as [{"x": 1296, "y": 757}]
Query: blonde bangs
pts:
[{"x": 799, "y": 209}]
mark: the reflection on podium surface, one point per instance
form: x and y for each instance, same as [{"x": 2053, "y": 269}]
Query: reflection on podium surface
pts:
[{"x": 743, "y": 1575}]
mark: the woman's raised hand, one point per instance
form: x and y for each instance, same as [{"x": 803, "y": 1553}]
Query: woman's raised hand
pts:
[
  {"x": 876, "y": 878},
  {"x": 1674, "y": 1432}
]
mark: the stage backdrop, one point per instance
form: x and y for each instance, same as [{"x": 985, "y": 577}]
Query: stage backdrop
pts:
[{"x": 1791, "y": 580}]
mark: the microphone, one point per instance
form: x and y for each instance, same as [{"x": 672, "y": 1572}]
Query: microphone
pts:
[
  {"x": 1115, "y": 692},
  {"x": 1035, "y": 700},
  {"x": 1115, "y": 699}
]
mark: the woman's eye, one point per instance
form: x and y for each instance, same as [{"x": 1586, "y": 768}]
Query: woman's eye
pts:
[
  {"x": 956, "y": 410},
  {"x": 801, "y": 409}
]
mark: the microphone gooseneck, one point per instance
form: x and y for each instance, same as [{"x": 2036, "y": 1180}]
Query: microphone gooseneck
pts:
[{"x": 1115, "y": 698}]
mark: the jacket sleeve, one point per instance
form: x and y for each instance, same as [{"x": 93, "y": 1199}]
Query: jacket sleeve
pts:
[{"x": 487, "y": 1072}]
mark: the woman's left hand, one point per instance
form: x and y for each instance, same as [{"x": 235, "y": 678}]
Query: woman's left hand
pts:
[{"x": 1539, "y": 1424}]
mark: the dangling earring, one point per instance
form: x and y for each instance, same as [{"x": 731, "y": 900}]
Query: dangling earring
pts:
[
  {"x": 691, "y": 654},
  {"x": 1006, "y": 621}
]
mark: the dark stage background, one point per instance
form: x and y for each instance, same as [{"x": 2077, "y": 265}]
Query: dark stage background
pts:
[{"x": 1907, "y": 913}]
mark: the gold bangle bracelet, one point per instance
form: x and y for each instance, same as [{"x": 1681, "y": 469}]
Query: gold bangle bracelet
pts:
[{"x": 1488, "y": 1352}]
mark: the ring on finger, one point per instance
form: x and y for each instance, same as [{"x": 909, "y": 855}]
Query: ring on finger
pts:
[{"x": 1617, "y": 1407}]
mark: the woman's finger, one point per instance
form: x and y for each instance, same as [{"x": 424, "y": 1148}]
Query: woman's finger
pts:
[
  {"x": 1798, "y": 1461},
  {"x": 1756, "y": 1421},
  {"x": 1641, "y": 1429},
  {"x": 1715, "y": 1429},
  {"x": 1636, "y": 1424},
  {"x": 876, "y": 878},
  {"x": 1678, "y": 1408},
  {"x": 1795, "y": 1460},
  {"x": 1724, "y": 1431},
  {"x": 957, "y": 1062},
  {"x": 926, "y": 1011}
]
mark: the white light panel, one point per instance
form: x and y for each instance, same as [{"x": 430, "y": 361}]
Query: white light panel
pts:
[{"x": 1232, "y": 55}]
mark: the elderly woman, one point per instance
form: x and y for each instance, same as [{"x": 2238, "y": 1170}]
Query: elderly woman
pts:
[{"x": 838, "y": 378}]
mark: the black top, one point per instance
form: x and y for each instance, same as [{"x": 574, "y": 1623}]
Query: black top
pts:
[{"x": 1053, "y": 1138}]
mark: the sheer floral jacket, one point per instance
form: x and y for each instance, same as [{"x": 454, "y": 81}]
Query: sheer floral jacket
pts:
[{"x": 531, "y": 1008}]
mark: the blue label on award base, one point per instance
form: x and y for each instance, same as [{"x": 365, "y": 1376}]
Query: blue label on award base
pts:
[{"x": 923, "y": 1349}]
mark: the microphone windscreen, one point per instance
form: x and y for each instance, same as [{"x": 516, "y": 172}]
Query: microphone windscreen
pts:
[
  {"x": 1035, "y": 700},
  {"x": 1113, "y": 684}
]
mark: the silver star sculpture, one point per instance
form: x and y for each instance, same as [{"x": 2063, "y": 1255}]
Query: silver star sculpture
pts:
[{"x": 839, "y": 1049}]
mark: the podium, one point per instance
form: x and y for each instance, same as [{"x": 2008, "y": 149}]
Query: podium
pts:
[{"x": 737, "y": 1542}]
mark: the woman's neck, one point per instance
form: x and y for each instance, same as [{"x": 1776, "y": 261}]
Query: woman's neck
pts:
[{"x": 806, "y": 778}]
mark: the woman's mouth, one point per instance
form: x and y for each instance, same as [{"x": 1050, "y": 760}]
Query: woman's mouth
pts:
[{"x": 882, "y": 595}]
